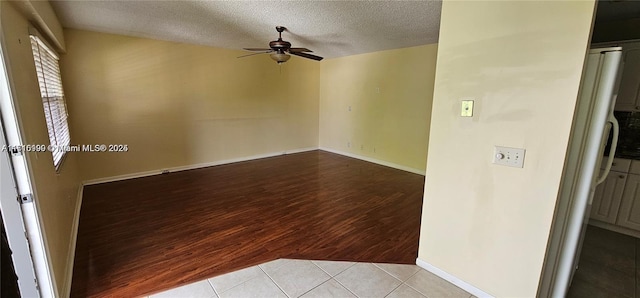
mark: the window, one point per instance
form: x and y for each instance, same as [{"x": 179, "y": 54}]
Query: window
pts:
[{"x": 55, "y": 109}]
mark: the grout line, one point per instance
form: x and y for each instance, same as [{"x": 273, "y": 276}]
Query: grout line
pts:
[
  {"x": 354, "y": 263},
  {"x": 414, "y": 274},
  {"x": 275, "y": 268},
  {"x": 244, "y": 282},
  {"x": 423, "y": 294},
  {"x": 325, "y": 271},
  {"x": 394, "y": 289},
  {"x": 354, "y": 294},
  {"x": 387, "y": 272},
  {"x": 405, "y": 283},
  {"x": 214, "y": 288},
  {"x": 322, "y": 283},
  {"x": 328, "y": 274},
  {"x": 332, "y": 276},
  {"x": 274, "y": 282}
]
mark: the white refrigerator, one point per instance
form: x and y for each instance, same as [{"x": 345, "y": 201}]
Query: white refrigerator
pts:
[{"x": 593, "y": 121}]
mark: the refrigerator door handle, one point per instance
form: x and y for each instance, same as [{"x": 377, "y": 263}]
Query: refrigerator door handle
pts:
[{"x": 612, "y": 150}]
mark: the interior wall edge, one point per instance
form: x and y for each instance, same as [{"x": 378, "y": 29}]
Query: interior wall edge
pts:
[
  {"x": 41, "y": 13},
  {"x": 53, "y": 191},
  {"x": 376, "y": 161},
  {"x": 452, "y": 279},
  {"x": 234, "y": 160},
  {"x": 193, "y": 166},
  {"x": 378, "y": 104},
  {"x": 71, "y": 254}
]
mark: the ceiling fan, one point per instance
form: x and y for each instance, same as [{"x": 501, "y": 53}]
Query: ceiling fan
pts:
[{"x": 280, "y": 50}]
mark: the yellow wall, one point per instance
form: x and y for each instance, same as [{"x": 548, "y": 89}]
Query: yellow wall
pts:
[
  {"x": 389, "y": 94},
  {"x": 55, "y": 194},
  {"x": 177, "y": 105},
  {"x": 522, "y": 61}
]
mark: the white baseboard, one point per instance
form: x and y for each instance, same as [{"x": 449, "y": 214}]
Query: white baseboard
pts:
[
  {"x": 376, "y": 161},
  {"x": 194, "y": 166},
  {"x": 71, "y": 252},
  {"x": 247, "y": 158},
  {"x": 452, "y": 279}
]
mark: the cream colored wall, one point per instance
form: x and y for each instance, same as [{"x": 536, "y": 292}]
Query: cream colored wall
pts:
[
  {"x": 56, "y": 194},
  {"x": 522, "y": 61},
  {"x": 390, "y": 95},
  {"x": 177, "y": 104}
]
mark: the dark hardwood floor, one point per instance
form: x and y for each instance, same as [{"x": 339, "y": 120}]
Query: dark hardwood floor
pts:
[
  {"x": 146, "y": 235},
  {"x": 609, "y": 266}
]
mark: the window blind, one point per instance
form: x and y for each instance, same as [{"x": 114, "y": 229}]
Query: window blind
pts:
[{"x": 55, "y": 109}]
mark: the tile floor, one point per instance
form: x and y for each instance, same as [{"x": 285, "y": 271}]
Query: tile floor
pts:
[{"x": 303, "y": 278}]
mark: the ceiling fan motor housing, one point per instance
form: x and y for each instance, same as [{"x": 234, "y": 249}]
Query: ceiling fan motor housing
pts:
[{"x": 279, "y": 44}]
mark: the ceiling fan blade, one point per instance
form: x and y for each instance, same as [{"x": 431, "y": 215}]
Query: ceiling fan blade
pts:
[
  {"x": 257, "y": 49},
  {"x": 298, "y": 50},
  {"x": 266, "y": 52},
  {"x": 304, "y": 55}
]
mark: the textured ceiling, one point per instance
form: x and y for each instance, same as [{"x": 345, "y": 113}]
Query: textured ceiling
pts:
[{"x": 330, "y": 29}]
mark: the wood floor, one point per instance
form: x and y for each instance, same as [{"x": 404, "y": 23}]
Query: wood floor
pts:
[
  {"x": 609, "y": 266},
  {"x": 146, "y": 235}
]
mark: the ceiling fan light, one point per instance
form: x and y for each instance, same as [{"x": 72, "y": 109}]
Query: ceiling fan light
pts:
[{"x": 280, "y": 57}]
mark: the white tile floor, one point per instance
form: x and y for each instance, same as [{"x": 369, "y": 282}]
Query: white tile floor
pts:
[{"x": 302, "y": 278}]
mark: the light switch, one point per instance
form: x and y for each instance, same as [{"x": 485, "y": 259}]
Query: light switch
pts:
[
  {"x": 467, "y": 108},
  {"x": 510, "y": 157}
]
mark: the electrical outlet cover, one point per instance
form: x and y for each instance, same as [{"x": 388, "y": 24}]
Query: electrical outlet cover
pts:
[
  {"x": 510, "y": 157},
  {"x": 467, "y": 108}
]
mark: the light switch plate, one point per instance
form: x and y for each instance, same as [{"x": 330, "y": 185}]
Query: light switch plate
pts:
[
  {"x": 510, "y": 157},
  {"x": 467, "y": 108}
]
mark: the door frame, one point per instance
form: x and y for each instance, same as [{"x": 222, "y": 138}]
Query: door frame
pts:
[
  {"x": 15, "y": 228},
  {"x": 26, "y": 217}
]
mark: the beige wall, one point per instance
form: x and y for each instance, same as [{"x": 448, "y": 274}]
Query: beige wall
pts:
[
  {"x": 389, "y": 94},
  {"x": 177, "y": 105},
  {"x": 522, "y": 61},
  {"x": 55, "y": 194}
]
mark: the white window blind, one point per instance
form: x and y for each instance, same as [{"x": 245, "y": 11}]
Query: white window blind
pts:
[{"x": 55, "y": 109}]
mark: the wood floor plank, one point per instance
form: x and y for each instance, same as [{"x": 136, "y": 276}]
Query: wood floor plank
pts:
[{"x": 146, "y": 235}]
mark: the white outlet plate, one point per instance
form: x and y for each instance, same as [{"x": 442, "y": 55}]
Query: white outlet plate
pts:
[
  {"x": 467, "y": 108},
  {"x": 510, "y": 157}
]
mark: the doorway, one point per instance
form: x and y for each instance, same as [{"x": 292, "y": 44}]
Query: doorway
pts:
[
  {"x": 20, "y": 214},
  {"x": 607, "y": 264}
]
